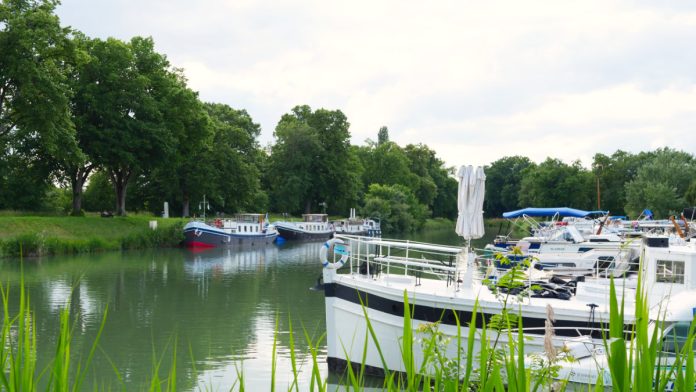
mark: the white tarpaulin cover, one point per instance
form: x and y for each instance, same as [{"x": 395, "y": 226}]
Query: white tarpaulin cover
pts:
[{"x": 472, "y": 184}]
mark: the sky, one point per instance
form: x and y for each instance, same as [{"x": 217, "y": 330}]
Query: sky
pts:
[{"x": 474, "y": 80}]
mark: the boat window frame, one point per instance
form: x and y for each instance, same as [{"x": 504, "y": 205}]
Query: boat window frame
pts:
[{"x": 677, "y": 272}]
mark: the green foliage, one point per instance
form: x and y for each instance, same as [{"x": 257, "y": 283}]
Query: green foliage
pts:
[
  {"x": 99, "y": 195},
  {"x": 24, "y": 183},
  {"x": 235, "y": 150},
  {"x": 312, "y": 163},
  {"x": 120, "y": 103},
  {"x": 690, "y": 195},
  {"x": 36, "y": 57},
  {"x": 396, "y": 206},
  {"x": 661, "y": 183},
  {"x": 637, "y": 362},
  {"x": 613, "y": 172},
  {"x": 18, "y": 351},
  {"x": 383, "y": 135},
  {"x": 503, "y": 178},
  {"x": 385, "y": 164},
  {"x": 556, "y": 184}
]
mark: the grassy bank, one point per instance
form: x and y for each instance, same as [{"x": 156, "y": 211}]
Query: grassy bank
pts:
[{"x": 50, "y": 235}]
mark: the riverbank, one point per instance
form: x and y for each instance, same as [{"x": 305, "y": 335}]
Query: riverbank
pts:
[{"x": 53, "y": 235}]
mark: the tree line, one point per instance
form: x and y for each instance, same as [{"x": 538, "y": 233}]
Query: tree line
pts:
[
  {"x": 663, "y": 180},
  {"x": 107, "y": 124},
  {"x": 104, "y": 124}
]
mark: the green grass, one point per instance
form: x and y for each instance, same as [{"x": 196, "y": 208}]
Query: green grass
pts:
[{"x": 51, "y": 235}]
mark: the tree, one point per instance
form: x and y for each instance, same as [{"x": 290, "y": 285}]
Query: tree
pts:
[
  {"x": 312, "y": 162},
  {"x": 75, "y": 168},
  {"x": 291, "y": 165},
  {"x": 24, "y": 182},
  {"x": 613, "y": 172},
  {"x": 555, "y": 184},
  {"x": 383, "y": 135},
  {"x": 661, "y": 183},
  {"x": 123, "y": 89},
  {"x": 33, "y": 85},
  {"x": 35, "y": 126},
  {"x": 187, "y": 173},
  {"x": 434, "y": 183},
  {"x": 235, "y": 150},
  {"x": 386, "y": 164},
  {"x": 421, "y": 162},
  {"x": 396, "y": 206},
  {"x": 503, "y": 182}
]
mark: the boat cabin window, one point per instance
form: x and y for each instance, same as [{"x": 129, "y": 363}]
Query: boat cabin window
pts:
[
  {"x": 669, "y": 271},
  {"x": 675, "y": 337}
]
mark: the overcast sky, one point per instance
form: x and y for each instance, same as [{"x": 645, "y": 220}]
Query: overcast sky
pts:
[{"x": 474, "y": 80}]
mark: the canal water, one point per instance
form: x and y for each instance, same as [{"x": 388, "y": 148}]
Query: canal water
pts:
[{"x": 220, "y": 309}]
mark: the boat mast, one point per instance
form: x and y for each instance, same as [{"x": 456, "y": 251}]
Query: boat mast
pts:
[{"x": 204, "y": 205}]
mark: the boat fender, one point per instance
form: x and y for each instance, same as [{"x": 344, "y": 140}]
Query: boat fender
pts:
[{"x": 324, "y": 251}]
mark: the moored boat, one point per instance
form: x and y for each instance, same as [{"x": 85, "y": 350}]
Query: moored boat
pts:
[
  {"x": 243, "y": 230},
  {"x": 314, "y": 227},
  {"x": 444, "y": 284}
]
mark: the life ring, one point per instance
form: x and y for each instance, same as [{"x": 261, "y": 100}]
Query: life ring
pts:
[{"x": 323, "y": 252}]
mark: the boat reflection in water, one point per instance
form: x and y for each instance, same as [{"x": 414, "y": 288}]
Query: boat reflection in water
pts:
[
  {"x": 226, "y": 261},
  {"x": 257, "y": 292}
]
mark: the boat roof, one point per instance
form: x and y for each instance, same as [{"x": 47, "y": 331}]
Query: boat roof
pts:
[{"x": 562, "y": 211}]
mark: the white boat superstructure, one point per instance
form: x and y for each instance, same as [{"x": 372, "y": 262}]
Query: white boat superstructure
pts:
[
  {"x": 355, "y": 225},
  {"x": 564, "y": 249},
  {"x": 443, "y": 283}
]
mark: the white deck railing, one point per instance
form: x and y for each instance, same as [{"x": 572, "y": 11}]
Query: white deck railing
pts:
[{"x": 373, "y": 255}]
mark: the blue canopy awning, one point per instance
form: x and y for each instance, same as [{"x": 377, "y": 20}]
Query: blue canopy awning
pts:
[{"x": 562, "y": 211}]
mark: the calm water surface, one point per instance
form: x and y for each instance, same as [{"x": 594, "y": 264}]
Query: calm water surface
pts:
[{"x": 220, "y": 308}]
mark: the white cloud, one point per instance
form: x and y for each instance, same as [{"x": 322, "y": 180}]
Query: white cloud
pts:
[{"x": 473, "y": 80}]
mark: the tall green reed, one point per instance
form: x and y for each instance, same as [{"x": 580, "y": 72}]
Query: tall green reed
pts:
[
  {"x": 18, "y": 349},
  {"x": 636, "y": 358}
]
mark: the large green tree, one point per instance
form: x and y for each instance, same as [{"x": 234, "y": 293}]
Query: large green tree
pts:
[
  {"x": 235, "y": 160},
  {"x": 554, "y": 183},
  {"x": 312, "y": 163},
  {"x": 503, "y": 182},
  {"x": 34, "y": 54},
  {"x": 121, "y": 100},
  {"x": 386, "y": 164},
  {"x": 186, "y": 173},
  {"x": 661, "y": 183},
  {"x": 612, "y": 173},
  {"x": 36, "y": 132},
  {"x": 396, "y": 206},
  {"x": 432, "y": 182}
]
